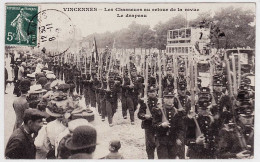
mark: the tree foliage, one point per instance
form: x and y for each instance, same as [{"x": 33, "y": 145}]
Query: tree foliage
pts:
[{"x": 237, "y": 24}]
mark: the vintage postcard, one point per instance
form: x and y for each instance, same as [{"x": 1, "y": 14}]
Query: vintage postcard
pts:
[{"x": 128, "y": 80}]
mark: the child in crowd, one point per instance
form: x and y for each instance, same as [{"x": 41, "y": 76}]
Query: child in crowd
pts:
[{"x": 114, "y": 146}]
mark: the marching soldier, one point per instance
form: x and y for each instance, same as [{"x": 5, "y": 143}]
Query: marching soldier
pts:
[
  {"x": 168, "y": 81},
  {"x": 98, "y": 85},
  {"x": 123, "y": 93},
  {"x": 200, "y": 132},
  {"x": 151, "y": 78},
  {"x": 92, "y": 91},
  {"x": 146, "y": 116},
  {"x": 111, "y": 98},
  {"x": 220, "y": 72},
  {"x": 85, "y": 82},
  {"x": 169, "y": 129},
  {"x": 182, "y": 103},
  {"x": 237, "y": 139},
  {"x": 181, "y": 74},
  {"x": 102, "y": 95},
  {"x": 219, "y": 99},
  {"x": 77, "y": 79},
  {"x": 133, "y": 89}
]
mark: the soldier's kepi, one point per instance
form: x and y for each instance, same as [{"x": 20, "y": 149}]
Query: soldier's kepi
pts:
[{"x": 169, "y": 129}]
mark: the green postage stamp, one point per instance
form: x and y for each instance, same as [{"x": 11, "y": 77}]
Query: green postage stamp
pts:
[{"x": 18, "y": 21}]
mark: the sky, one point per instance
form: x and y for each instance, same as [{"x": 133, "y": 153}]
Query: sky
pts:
[{"x": 88, "y": 22}]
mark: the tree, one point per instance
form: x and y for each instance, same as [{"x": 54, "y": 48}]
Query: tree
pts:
[
  {"x": 237, "y": 25},
  {"x": 161, "y": 30}
]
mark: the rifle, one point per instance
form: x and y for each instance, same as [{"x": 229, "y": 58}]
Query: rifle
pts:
[
  {"x": 211, "y": 83},
  {"x": 160, "y": 76},
  {"x": 164, "y": 118},
  {"x": 239, "y": 69},
  {"x": 90, "y": 66},
  {"x": 109, "y": 68},
  {"x": 241, "y": 138},
  {"x": 129, "y": 70},
  {"x": 175, "y": 71},
  {"x": 234, "y": 75},
  {"x": 198, "y": 130},
  {"x": 146, "y": 84}
]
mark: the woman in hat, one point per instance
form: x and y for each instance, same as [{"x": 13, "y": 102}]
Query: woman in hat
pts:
[{"x": 58, "y": 109}]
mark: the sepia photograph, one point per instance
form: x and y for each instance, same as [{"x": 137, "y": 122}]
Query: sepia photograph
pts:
[{"x": 128, "y": 80}]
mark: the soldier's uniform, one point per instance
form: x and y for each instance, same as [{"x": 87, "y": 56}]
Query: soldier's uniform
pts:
[
  {"x": 97, "y": 84},
  {"x": 85, "y": 82},
  {"x": 230, "y": 142},
  {"x": 181, "y": 76},
  {"x": 111, "y": 98},
  {"x": 182, "y": 103},
  {"x": 77, "y": 79},
  {"x": 222, "y": 101},
  {"x": 91, "y": 91},
  {"x": 222, "y": 75},
  {"x": 206, "y": 125},
  {"x": 61, "y": 71},
  {"x": 166, "y": 137},
  {"x": 125, "y": 82},
  {"x": 147, "y": 122},
  {"x": 168, "y": 82},
  {"x": 132, "y": 95}
]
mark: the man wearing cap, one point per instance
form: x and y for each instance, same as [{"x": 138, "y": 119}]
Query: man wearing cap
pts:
[
  {"x": 200, "y": 132},
  {"x": 86, "y": 85},
  {"x": 146, "y": 116},
  {"x": 20, "y": 104},
  {"x": 111, "y": 97},
  {"x": 77, "y": 79},
  {"x": 237, "y": 137},
  {"x": 83, "y": 142},
  {"x": 168, "y": 81},
  {"x": 182, "y": 103},
  {"x": 125, "y": 81},
  {"x": 98, "y": 85},
  {"x": 21, "y": 143},
  {"x": 92, "y": 90},
  {"x": 222, "y": 101},
  {"x": 169, "y": 129},
  {"x": 132, "y": 91}
]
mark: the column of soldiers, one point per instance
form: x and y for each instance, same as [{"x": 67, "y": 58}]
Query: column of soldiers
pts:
[
  {"x": 205, "y": 130},
  {"x": 210, "y": 123}
]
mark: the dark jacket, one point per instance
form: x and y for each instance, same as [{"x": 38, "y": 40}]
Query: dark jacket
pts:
[
  {"x": 20, "y": 145},
  {"x": 152, "y": 103},
  {"x": 167, "y": 136},
  {"x": 6, "y": 74}
]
